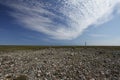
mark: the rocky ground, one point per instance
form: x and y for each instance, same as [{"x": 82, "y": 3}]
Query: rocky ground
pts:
[{"x": 60, "y": 64}]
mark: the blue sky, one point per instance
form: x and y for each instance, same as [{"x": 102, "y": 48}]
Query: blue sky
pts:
[{"x": 59, "y": 22}]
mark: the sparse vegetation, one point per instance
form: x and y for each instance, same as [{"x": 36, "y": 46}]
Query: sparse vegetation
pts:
[{"x": 56, "y": 63}]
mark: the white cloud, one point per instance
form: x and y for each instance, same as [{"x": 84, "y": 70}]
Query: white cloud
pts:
[
  {"x": 62, "y": 19},
  {"x": 98, "y": 35}
]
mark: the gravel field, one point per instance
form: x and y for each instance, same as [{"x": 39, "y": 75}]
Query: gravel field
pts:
[{"x": 60, "y": 64}]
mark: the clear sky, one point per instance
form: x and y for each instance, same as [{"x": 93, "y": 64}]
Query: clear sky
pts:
[{"x": 59, "y": 22}]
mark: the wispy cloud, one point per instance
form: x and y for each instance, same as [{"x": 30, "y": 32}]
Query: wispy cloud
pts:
[
  {"x": 98, "y": 35},
  {"x": 61, "y": 19},
  {"x": 118, "y": 10}
]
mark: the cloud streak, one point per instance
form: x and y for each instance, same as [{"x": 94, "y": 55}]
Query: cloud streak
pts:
[
  {"x": 61, "y": 19},
  {"x": 98, "y": 35}
]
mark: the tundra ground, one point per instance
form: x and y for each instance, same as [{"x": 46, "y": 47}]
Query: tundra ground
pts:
[{"x": 63, "y": 63}]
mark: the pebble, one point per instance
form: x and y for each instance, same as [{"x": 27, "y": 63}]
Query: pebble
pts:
[{"x": 59, "y": 64}]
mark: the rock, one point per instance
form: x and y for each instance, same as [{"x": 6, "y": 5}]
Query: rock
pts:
[
  {"x": 8, "y": 77},
  {"x": 64, "y": 63},
  {"x": 92, "y": 79},
  {"x": 21, "y": 77}
]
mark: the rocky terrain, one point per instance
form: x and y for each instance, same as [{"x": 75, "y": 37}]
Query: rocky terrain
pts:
[{"x": 60, "y": 64}]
